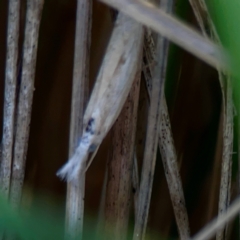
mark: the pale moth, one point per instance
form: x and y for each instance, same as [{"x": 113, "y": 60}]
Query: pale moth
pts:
[{"x": 111, "y": 89}]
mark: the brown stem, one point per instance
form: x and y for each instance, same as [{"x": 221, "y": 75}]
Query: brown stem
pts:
[{"x": 118, "y": 195}]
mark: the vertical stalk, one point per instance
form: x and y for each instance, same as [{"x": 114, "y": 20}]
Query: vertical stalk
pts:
[
  {"x": 150, "y": 151},
  {"x": 10, "y": 94},
  {"x": 203, "y": 17},
  {"x": 118, "y": 195},
  {"x": 226, "y": 171},
  {"x": 33, "y": 18},
  {"x": 80, "y": 88},
  {"x": 166, "y": 142}
]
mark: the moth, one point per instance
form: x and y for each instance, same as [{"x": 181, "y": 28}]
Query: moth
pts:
[{"x": 111, "y": 89}]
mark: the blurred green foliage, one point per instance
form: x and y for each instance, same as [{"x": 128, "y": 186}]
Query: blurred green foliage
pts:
[
  {"x": 226, "y": 17},
  {"x": 31, "y": 224},
  {"x": 42, "y": 220}
]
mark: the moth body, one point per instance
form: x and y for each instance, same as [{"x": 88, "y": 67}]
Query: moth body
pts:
[{"x": 110, "y": 92}]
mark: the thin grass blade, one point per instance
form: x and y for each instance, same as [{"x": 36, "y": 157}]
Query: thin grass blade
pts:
[
  {"x": 219, "y": 222},
  {"x": 174, "y": 30}
]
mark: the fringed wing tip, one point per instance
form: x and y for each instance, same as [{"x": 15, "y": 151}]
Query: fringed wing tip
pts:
[
  {"x": 65, "y": 176},
  {"x": 69, "y": 172},
  {"x": 62, "y": 174},
  {"x": 69, "y": 176}
]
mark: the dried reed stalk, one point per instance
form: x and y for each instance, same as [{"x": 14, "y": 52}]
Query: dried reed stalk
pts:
[
  {"x": 226, "y": 171},
  {"x": 80, "y": 89},
  {"x": 201, "y": 14},
  {"x": 169, "y": 158},
  {"x": 219, "y": 222},
  {"x": 173, "y": 29},
  {"x": 150, "y": 151},
  {"x": 135, "y": 183},
  {"x": 10, "y": 94},
  {"x": 166, "y": 142},
  {"x": 171, "y": 169},
  {"x": 33, "y": 17},
  {"x": 204, "y": 19},
  {"x": 119, "y": 186},
  {"x": 113, "y": 84}
]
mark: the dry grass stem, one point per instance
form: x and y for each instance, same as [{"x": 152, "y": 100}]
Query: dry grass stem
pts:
[
  {"x": 119, "y": 186},
  {"x": 201, "y": 14},
  {"x": 10, "y": 94},
  {"x": 33, "y": 17},
  {"x": 204, "y": 19},
  {"x": 219, "y": 222},
  {"x": 80, "y": 88},
  {"x": 169, "y": 158},
  {"x": 171, "y": 169},
  {"x": 135, "y": 183},
  {"x": 150, "y": 151},
  {"x": 166, "y": 143},
  {"x": 226, "y": 172},
  {"x": 173, "y": 29},
  {"x": 113, "y": 84}
]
